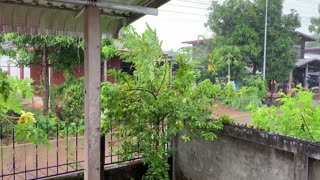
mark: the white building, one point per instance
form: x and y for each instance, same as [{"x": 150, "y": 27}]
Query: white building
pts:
[{"x": 8, "y": 65}]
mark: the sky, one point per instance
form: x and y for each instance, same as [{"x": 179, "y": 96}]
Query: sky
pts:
[{"x": 183, "y": 20}]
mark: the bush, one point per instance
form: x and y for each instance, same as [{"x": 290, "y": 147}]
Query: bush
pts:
[
  {"x": 68, "y": 100},
  {"x": 298, "y": 116},
  {"x": 245, "y": 98},
  {"x": 257, "y": 82},
  {"x": 12, "y": 92}
]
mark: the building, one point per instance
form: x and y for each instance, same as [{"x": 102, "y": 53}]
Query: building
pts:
[{"x": 6, "y": 65}]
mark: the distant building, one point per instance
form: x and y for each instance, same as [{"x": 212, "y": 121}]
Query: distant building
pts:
[{"x": 7, "y": 65}]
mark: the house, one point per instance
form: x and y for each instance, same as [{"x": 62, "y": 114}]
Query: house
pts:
[
  {"x": 201, "y": 48},
  {"x": 7, "y": 65},
  {"x": 56, "y": 77},
  {"x": 307, "y": 69}
]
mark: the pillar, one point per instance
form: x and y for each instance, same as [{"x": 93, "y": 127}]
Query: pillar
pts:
[
  {"x": 290, "y": 80},
  {"x": 92, "y": 72},
  {"x": 306, "y": 77},
  {"x": 21, "y": 74},
  {"x": 301, "y": 162}
]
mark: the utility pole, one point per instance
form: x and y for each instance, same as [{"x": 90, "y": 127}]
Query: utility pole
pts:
[{"x": 265, "y": 42}]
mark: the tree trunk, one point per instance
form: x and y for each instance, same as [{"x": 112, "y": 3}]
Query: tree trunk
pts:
[
  {"x": 254, "y": 70},
  {"x": 271, "y": 96},
  {"x": 45, "y": 81}
]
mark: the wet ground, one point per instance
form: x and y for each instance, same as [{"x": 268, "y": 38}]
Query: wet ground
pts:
[{"x": 240, "y": 117}]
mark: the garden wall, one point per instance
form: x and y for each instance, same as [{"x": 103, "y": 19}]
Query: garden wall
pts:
[{"x": 242, "y": 153}]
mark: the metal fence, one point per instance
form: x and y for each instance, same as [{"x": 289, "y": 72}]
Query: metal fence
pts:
[{"x": 64, "y": 155}]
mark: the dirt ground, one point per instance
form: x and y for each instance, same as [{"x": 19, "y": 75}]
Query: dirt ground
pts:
[{"x": 240, "y": 117}]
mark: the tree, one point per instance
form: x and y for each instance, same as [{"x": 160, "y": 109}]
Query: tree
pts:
[
  {"x": 201, "y": 54},
  {"x": 315, "y": 28},
  {"x": 226, "y": 62},
  {"x": 57, "y": 51},
  {"x": 144, "y": 111},
  {"x": 240, "y": 23}
]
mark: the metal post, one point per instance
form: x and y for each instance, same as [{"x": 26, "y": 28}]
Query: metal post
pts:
[
  {"x": 265, "y": 42},
  {"x": 92, "y": 144}
]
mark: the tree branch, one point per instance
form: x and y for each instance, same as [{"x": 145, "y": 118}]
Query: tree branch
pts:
[{"x": 305, "y": 122}]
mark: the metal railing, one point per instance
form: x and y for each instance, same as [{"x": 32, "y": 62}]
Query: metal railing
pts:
[{"x": 64, "y": 155}]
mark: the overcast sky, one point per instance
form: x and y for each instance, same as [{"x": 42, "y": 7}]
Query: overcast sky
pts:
[{"x": 183, "y": 20}]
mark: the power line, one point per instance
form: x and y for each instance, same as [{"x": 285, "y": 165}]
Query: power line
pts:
[
  {"x": 193, "y": 2},
  {"x": 187, "y": 6},
  {"x": 169, "y": 11}
]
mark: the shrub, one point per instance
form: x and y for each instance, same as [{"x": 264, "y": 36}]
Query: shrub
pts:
[
  {"x": 299, "y": 116},
  {"x": 245, "y": 98},
  {"x": 12, "y": 92}
]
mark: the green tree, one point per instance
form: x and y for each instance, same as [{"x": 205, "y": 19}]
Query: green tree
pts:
[
  {"x": 201, "y": 53},
  {"x": 315, "y": 28},
  {"x": 240, "y": 23},
  {"x": 57, "y": 51},
  {"x": 226, "y": 61},
  {"x": 144, "y": 111}
]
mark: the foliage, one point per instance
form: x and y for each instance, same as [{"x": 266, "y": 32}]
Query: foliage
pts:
[
  {"x": 57, "y": 51},
  {"x": 108, "y": 49},
  {"x": 67, "y": 101},
  {"x": 298, "y": 116},
  {"x": 72, "y": 100},
  {"x": 62, "y": 52},
  {"x": 237, "y": 24},
  {"x": 12, "y": 92},
  {"x": 200, "y": 54},
  {"x": 228, "y": 55},
  {"x": 245, "y": 98},
  {"x": 257, "y": 82},
  {"x": 143, "y": 111},
  {"x": 315, "y": 25},
  {"x": 315, "y": 28},
  {"x": 252, "y": 92}
]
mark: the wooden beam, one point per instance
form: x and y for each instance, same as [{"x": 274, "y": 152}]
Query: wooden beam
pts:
[
  {"x": 114, "y": 5},
  {"x": 92, "y": 144}
]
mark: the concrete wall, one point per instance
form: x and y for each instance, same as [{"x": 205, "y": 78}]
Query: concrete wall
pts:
[
  {"x": 237, "y": 156},
  {"x": 314, "y": 169},
  {"x": 128, "y": 171}
]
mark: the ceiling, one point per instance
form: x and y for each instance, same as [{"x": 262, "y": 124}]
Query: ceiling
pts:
[{"x": 55, "y": 18}]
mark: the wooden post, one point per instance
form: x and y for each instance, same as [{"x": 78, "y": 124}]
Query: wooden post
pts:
[
  {"x": 92, "y": 69},
  {"x": 306, "y": 77},
  {"x": 290, "y": 80},
  {"x": 21, "y": 74}
]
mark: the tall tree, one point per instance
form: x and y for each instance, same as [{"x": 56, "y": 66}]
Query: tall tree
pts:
[
  {"x": 147, "y": 110},
  {"x": 315, "y": 28},
  {"x": 239, "y": 24},
  {"x": 59, "y": 52}
]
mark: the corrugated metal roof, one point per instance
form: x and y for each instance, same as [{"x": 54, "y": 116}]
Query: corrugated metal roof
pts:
[
  {"x": 55, "y": 18},
  {"x": 308, "y": 59}
]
